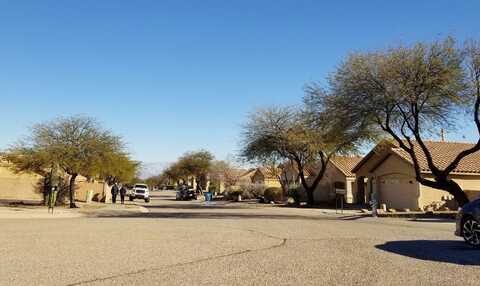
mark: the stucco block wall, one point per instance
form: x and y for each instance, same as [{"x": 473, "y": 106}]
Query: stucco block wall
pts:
[
  {"x": 19, "y": 186},
  {"x": 82, "y": 187}
]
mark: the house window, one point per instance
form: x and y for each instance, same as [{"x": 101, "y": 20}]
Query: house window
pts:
[{"x": 339, "y": 185}]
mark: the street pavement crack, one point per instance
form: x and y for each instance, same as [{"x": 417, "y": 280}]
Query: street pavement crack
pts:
[{"x": 145, "y": 270}]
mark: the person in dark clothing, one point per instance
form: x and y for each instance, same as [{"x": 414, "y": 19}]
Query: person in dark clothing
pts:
[
  {"x": 114, "y": 193},
  {"x": 123, "y": 192}
]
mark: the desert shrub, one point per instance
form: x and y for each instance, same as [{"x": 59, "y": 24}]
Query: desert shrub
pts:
[
  {"x": 232, "y": 192},
  {"x": 273, "y": 194},
  {"x": 297, "y": 193},
  {"x": 254, "y": 191},
  {"x": 247, "y": 191}
]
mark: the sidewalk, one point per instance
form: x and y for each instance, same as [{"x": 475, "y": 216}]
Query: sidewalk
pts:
[
  {"x": 84, "y": 210},
  {"x": 34, "y": 212}
]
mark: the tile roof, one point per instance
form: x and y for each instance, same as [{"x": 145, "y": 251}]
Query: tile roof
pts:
[
  {"x": 249, "y": 173},
  {"x": 267, "y": 173},
  {"x": 442, "y": 154},
  {"x": 346, "y": 163}
]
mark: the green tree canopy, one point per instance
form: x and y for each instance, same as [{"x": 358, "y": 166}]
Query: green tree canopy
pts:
[
  {"x": 196, "y": 164},
  {"x": 77, "y": 145},
  {"x": 118, "y": 167},
  {"x": 298, "y": 136}
]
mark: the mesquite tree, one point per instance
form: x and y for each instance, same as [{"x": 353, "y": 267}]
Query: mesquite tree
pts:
[
  {"x": 191, "y": 164},
  {"x": 224, "y": 172},
  {"x": 118, "y": 167},
  {"x": 77, "y": 145},
  {"x": 297, "y": 136},
  {"x": 410, "y": 93}
]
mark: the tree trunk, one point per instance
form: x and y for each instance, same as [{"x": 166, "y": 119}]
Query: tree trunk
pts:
[
  {"x": 310, "y": 198},
  {"x": 454, "y": 189},
  {"x": 284, "y": 191},
  {"x": 71, "y": 189}
]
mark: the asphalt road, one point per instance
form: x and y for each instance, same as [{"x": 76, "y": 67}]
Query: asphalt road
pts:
[{"x": 194, "y": 243}]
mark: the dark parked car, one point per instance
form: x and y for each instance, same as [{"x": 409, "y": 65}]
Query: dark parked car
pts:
[
  {"x": 185, "y": 194},
  {"x": 468, "y": 223}
]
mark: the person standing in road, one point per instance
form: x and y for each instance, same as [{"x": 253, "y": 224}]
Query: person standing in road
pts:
[
  {"x": 114, "y": 193},
  {"x": 123, "y": 192}
]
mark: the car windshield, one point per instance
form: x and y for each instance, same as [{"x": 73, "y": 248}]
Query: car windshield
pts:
[{"x": 141, "y": 186}]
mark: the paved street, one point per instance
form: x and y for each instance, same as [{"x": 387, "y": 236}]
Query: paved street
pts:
[{"x": 194, "y": 243}]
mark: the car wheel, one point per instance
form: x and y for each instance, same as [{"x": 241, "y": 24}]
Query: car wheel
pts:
[
  {"x": 147, "y": 200},
  {"x": 130, "y": 198},
  {"x": 471, "y": 231}
]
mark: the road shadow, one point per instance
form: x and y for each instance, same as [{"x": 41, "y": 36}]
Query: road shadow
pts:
[
  {"x": 354, "y": 217},
  {"x": 208, "y": 215},
  {"x": 447, "y": 251},
  {"x": 321, "y": 206},
  {"x": 433, "y": 220},
  {"x": 162, "y": 196},
  {"x": 190, "y": 206}
]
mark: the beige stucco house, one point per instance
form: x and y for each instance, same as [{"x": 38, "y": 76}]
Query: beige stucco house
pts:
[
  {"x": 338, "y": 175},
  {"x": 246, "y": 177},
  {"x": 262, "y": 176},
  {"x": 388, "y": 171}
]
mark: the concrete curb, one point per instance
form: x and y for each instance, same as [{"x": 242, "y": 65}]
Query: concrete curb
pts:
[{"x": 443, "y": 215}]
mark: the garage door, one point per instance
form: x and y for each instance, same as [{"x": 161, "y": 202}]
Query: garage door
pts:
[{"x": 398, "y": 192}]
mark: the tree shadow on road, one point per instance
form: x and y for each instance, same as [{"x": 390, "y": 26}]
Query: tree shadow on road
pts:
[
  {"x": 192, "y": 206},
  {"x": 447, "y": 251},
  {"x": 354, "y": 217},
  {"x": 433, "y": 220},
  {"x": 209, "y": 215}
]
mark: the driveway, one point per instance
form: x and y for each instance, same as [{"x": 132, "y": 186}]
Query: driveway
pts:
[{"x": 219, "y": 243}]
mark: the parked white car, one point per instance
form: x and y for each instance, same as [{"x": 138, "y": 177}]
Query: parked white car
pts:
[{"x": 140, "y": 191}]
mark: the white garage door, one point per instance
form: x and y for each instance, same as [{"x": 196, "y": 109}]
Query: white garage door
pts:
[{"x": 398, "y": 192}]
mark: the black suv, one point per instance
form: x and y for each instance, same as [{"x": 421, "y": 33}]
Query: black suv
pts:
[
  {"x": 185, "y": 194},
  {"x": 468, "y": 223}
]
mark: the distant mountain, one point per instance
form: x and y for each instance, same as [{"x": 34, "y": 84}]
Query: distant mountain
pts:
[{"x": 150, "y": 169}]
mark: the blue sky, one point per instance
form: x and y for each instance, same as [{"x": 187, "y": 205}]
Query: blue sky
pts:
[{"x": 173, "y": 76}]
